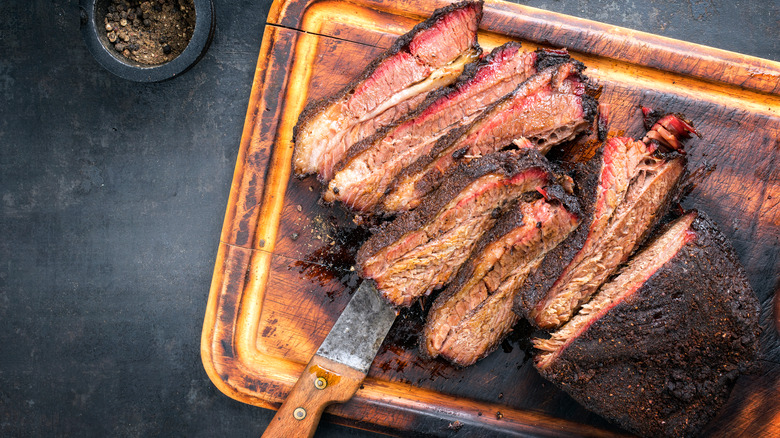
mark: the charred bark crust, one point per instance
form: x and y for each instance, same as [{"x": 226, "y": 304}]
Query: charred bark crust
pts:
[{"x": 663, "y": 362}]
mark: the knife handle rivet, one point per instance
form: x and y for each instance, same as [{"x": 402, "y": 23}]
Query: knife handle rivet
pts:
[
  {"x": 299, "y": 413},
  {"x": 320, "y": 383}
]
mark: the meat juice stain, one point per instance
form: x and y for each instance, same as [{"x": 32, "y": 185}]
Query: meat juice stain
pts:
[
  {"x": 403, "y": 336},
  {"x": 400, "y": 350},
  {"x": 520, "y": 336},
  {"x": 335, "y": 259},
  {"x": 579, "y": 150},
  {"x": 268, "y": 331}
]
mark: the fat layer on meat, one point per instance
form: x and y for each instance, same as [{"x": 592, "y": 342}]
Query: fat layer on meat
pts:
[
  {"x": 433, "y": 54},
  {"x": 370, "y": 165}
]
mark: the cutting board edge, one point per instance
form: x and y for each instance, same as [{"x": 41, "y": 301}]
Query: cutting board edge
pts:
[
  {"x": 248, "y": 377},
  {"x": 734, "y": 68}
]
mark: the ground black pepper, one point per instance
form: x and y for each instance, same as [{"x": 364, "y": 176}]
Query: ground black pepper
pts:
[{"x": 150, "y": 32}]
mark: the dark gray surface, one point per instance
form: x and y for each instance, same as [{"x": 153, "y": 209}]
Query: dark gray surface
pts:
[{"x": 113, "y": 195}]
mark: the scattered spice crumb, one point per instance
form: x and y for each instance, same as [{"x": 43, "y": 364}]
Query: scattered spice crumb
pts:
[{"x": 455, "y": 425}]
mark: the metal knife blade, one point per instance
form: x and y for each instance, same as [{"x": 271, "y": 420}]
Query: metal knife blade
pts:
[
  {"x": 341, "y": 363},
  {"x": 355, "y": 338}
]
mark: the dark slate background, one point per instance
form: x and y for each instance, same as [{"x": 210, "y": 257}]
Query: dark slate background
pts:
[{"x": 113, "y": 196}]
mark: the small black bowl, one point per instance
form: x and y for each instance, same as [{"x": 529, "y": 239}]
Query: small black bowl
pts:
[{"x": 92, "y": 12}]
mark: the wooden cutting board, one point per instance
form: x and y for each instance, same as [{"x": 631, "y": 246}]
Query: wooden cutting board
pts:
[{"x": 283, "y": 271}]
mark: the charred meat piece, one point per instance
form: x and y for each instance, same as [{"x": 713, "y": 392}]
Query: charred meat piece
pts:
[
  {"x": 433, "y": 54},
  {"x": 422, "y": 250},
  {"x": 635, "y": 186},
  {"x": 658, "y": 349},
  {"x": 473, "y": 315},
  {"x": 370, "y": 165},
  {"x": 667, "y": 129},
  {"x": 549, "y": 108}
]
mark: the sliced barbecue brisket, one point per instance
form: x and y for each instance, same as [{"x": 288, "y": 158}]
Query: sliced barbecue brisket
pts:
[
  {"x": 658, "y": 349},
  {"x": 474, "y": 313},
  {"x": 549, "y": 108},
  {"x": 370, "y": 165},
  {"x": 420, "y": 251},
  {"x": 666, "y": 129},
  {"x": 433, "y": 54},
  {"x": 635, "y": 185}
]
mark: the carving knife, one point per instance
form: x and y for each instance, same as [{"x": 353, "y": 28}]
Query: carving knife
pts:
[{"x": 338, "y": 368}]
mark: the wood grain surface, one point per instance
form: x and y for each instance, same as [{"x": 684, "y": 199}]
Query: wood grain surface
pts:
[{"x": 283, "y": 272}]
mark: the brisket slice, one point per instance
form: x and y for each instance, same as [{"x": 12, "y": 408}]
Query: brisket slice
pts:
[
  {"x": 634, "y": 189},
  {"x": 433, "y": 54},
  {"x": 666, "y": 129},
  {"x": 474, "y": 313},
  {"x": 658, "y": 349},
  {"x": 371, "y": 164},
  {"x": 549, "y": 108},
  {"x": 586, "y": 176},
  {"x": 422, "y": 250}
]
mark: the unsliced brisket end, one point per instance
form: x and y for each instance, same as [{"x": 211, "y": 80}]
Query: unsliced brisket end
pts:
[
  {"x": 422, "y": 250},
  {"x": 431, "y": 55},
  {"x": 635, "y": 187},
  {"x": 370, "y": 165},
  {"x": 660, "y": 346},
  {"x": 473, "y": 315},
  {"x": 548, "y": 108}
]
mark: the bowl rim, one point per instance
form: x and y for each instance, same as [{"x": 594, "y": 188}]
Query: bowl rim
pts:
[{"x": 133, "y": 71}]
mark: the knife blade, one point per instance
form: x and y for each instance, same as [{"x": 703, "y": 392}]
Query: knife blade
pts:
[{"x": 338, "y": 368}]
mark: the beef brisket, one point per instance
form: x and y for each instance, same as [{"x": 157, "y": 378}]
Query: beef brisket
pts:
[
  {"x": 422, "y": 250},
  {"x": 658, "y": 349},
  {"x": 474, "y": 313},
  {"x": 635, "y": 186},
  {"x": 433, "y": 54},
  {"x": 666, "y": 129},
  {"x": 549, "y": 108},
  {"x": 370, "y": 165}
]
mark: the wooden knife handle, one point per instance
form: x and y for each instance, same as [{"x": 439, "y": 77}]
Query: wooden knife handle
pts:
[{"x": 322, "y": 383}]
